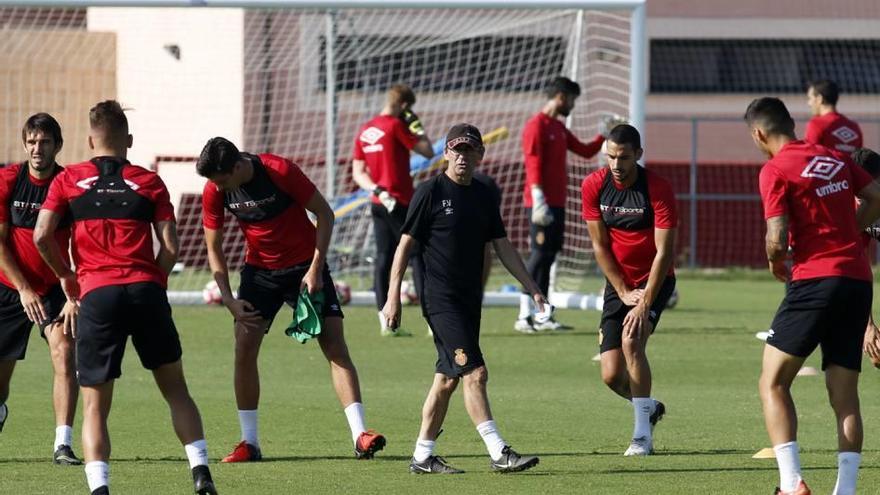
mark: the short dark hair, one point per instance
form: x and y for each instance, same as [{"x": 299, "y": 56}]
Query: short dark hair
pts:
[
  {"x": 562, "y": 85},
  {"x": 218, "y": 156},
  {"x": 625, "y": 134},
  {"x": 827, "y": 89},
  {"x": 45, "y": 123},
  {"x": 109, "y": 118},
  {"x": 771, "y": 115},
  {"x": 868, "y": 159},
  {"x": 401, "y": 93}
]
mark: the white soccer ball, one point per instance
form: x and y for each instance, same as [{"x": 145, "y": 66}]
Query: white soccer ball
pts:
[
  {"x": 408, "y": 294},
  {"x": 211, "y": 293}
]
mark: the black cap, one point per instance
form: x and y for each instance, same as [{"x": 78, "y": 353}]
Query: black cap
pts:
[{"x": 464, "y": 134}]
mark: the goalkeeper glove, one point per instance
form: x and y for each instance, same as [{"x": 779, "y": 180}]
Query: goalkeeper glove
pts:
[
  {"x": 385, "y": 198},
  {"x": 873, "y": 231},
  {"x": 608, "y": 122},
  {"x": 540, "y": 211},
  {"x": 412, "y": 123}
]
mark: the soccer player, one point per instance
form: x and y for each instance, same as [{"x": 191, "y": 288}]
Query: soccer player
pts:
[
  {"x": 120, "y": 287},
  {"x": 546, "y": 142},
  {"x": 269, "y": 196},
  {"x": 453, "y": 217},
  {"x": 828, "y": 127},
  {"x": 381, "y": 166},
  {"x": 808, "y": 194},
  {"x": 29, "y": 290},
  {"x": 631, "y": 217},
  {"x": 869, "y": 160}
]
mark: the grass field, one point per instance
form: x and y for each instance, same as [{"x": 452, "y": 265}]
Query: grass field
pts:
[{"x": 546, "y": 395}]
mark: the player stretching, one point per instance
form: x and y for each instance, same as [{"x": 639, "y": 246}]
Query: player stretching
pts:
[
  {"x": 546, "y": 142},
  {"x": 29, "y": 290},
  {"x": 269, "y": 196},
  {"x": 808, "y": 195},
  {"x": 381, "y": 166},
  {"x": 827, "y": 127},
  {"x": 453, "y": 217},
  {"x": 120, "y": 286},
  {"x": 630, "y": 214}
]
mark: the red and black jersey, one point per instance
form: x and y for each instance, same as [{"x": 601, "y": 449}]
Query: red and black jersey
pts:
[
  {"x": 384, "y": 144},
  {"x": 631, "y": 214},
  {"x": 270, "y": 209},
  {"x": 114, "y": 205},
  {"x": 546, "y": 142},
  {"x": 815, "y": 188},
  {"x": 21, "y": 196},
  {"x": 835, "y": 131}
]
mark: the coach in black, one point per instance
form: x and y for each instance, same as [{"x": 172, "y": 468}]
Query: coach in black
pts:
[{"x": 453, "y": 217}]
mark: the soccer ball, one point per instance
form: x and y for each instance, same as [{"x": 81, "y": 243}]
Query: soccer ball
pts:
[
  {"x": 211, "y": 293},
  {"x": 673, "y": 299},
  {"x": 343, "y": 292},
  {"x": 408, "y": 294}
]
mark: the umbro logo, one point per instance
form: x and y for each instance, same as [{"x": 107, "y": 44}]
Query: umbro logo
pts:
[
  {"x": 371, "y": 135},
  {"x": 845, "y": 134},
  {"x": 822, "y": 167}
]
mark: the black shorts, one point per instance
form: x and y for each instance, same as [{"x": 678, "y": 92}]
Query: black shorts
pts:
[
  {"x": 547, "y": 238},
  {"x": 108, "y": 315},
  {"x": 457, "y": 338},
  {"x": 831, "y": 312},
  {"x": 267, "y": 290},
  {"x": 614, "y": 311},
  {"x": 15, "y": 327}
]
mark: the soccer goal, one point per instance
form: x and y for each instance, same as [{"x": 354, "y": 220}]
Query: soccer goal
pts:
[{"x": 298, "y": 78}]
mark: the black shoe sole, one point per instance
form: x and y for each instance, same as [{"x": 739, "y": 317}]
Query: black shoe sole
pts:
[
  {"x": 207, "y": 489},
  {"x": 522, "y": 467},
  {"x": 378, "y": 445}
]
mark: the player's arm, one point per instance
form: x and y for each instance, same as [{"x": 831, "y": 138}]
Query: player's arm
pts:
[
  {"x": 169, "y": 245},
  {"x": 30, "y": 300},
  {"x": 776, "y": 246},
  {"x": 585, "y": 150},
  {"x": 313, "y": 278},
  {"x": 391, "y": 311},
  {"x": 511, "y": 260},
  {"x": 360, "y": 175},
  {"x": 242, "y": 311},
  {"x": 601, "y": 242},
  {"x": 44, "y": 238},
  {"x": 664, "y": 242},
  {"x": 869, "y": 208}
]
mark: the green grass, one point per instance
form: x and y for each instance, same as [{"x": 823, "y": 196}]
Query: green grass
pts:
[{"x": 546, "y": 395}]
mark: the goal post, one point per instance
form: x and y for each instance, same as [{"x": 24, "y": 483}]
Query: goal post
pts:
[{"x": 298, "y": 78}]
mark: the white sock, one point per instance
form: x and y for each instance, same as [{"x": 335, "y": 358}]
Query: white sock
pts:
[
  {"x": 525, "y": 306},
  {"x": 63, "y": 436},
  {"x": 197, "y": 453},
  {"x": 355, "y": 415},
  {"x": 642, "y": 407},
  {"x": 847, "y": 473},
  {"x": 383, "y": 323},
  {"x": 789, "y": 462},
  {"x": 424, "y": 449},
  {"x": 247, "y": 419},
  {"x": 97, "y": 474},
  {"x": 494, "y": 443}
]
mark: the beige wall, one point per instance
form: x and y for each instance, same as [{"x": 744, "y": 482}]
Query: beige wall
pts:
[{"x": 60, "y": 72}]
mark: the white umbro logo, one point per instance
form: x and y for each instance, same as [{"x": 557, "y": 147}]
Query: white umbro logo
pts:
[
  {"x": 371, "y": 135},
  {"x": 822, "y": 167},
  {"x": 845, "y": 134}
]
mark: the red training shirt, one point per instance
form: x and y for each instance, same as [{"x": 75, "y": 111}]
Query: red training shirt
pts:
[
  {"x": 546, "y": 142},
  {"x": 112, "y": 251},
  {"x": 630, "y": 214},
  {"x": 283, "y": 240},
  {"x": 383, "y": 144},
  {"x": 816, "y": 190},
  {"x": 834, "y": 131},
  {"x": 20, "y": 241}
]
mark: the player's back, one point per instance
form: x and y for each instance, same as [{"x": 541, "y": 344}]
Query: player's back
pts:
[
  {"x": 816, "y": 189},
  {"x": 384, "y": 144},
  {"x": 836, "y": 131}
]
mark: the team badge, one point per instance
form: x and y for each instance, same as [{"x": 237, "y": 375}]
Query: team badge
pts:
[{"x": 460, "y": 357}]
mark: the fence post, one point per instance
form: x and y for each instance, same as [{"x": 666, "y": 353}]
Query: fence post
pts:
[{"x": 692, "y": 227}]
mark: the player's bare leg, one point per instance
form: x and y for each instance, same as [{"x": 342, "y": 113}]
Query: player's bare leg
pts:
[
  {"x": 342, "y": 369},
  {"x": 646, "y": 410},
  {"x": 65, "y": 392},
  {"x": 638, "y": 368},
  {"x": 6, "y": 368},
  {"x": 615, "y": 373},
  {"x": 248, "y": 339},
  {"x": 777, "y": 374},
  {"x": 436, "y": 405},
  {"x": 95, "y": 437},
  {"x": 842, "y": 385},
  {"x": 476, "y": 400}
]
